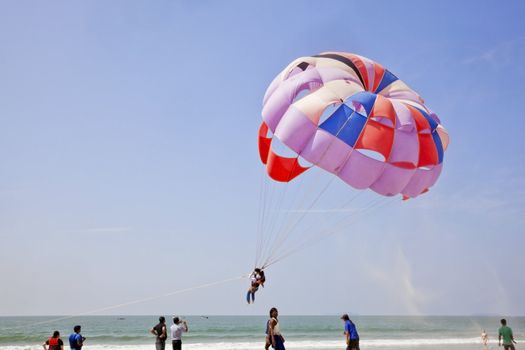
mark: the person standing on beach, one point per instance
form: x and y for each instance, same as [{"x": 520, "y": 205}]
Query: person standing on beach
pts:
[
  {"x": 176, "y": 332},
  {"x": 76, "y": 340},
  {"x": 54, "y": 343},
  {"x": 161, "y": 334},
  {"x": 273, "y": 331},
  {"x": 505, "y": 332},
  {"x": 352, "y": 337}
]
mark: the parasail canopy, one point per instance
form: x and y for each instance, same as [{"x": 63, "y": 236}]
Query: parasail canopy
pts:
[{"x": 350, "y": 116}]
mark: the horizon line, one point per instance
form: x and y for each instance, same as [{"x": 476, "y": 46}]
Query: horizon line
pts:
[{"x": 305, "y": 315}]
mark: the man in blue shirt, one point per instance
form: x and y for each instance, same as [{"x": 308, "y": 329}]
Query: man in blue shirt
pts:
[
  {"x": 351, "y": 335},
  {"x": 76, "y": 340}
]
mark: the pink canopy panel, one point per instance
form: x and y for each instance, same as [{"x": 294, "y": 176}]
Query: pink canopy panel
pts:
[{"x": 355, "y": 119}]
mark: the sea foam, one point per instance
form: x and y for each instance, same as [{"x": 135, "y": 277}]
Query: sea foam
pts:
[{"x": 298, "y": 345}]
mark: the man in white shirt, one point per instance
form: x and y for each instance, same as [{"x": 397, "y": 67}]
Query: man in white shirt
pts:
[{"x": 176, "y": 332}]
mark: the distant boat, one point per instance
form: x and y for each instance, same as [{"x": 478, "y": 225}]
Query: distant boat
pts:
[{"x": 121, "y": 318}]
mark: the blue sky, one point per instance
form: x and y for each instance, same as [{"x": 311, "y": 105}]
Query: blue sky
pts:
[{"x": 130, "y": 165}]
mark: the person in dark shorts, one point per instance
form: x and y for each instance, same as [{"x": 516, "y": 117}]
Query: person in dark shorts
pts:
[
  {"x": 161, "y": 334},
  {"x": 505, "y": 332},
  {"x": 76, "y": 340},
  {"x": 351, "y": 335},
  {"x": 176, "y": 331},
  {"x": 54, "y": 343}
]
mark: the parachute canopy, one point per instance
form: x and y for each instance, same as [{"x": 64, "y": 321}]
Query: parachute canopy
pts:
[{"x": 350, "y": 116}]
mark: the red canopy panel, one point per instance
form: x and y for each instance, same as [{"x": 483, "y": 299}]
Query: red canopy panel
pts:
[
  {"x": 427, "y": 151},
  {"x": 376, "y": 137},
  {"x": 379, "y": 71},
  {"x": 383, "y": 109},
  {"x": 264, "y": 143},
  {"x": 283, "y": 169},
  {"x": 421, "y": 121},
  {"x": 362, "y": 70}
]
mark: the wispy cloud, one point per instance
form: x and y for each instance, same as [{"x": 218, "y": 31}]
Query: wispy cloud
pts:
[
  {"x": 465, "y": 201},
  {"x": 100, "y": 230},
  {"x": 500, "y": 295},
  {"x": 489, "y": 56},
  {"x": 499, "y": 55},
  {"x": 397, "y": 280},
  {"x": 340, "y": 210},
  {"x": 501, "y": 194}
]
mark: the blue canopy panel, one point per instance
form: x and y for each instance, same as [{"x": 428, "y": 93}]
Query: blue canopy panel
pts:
[
  {"x": 439, "y": 146},
  {"x": 365, "y": 98},
  {"x": 345, "y": 124},
  {"x": 388, "y": 78},
  {"x": 433, "y": 124}
]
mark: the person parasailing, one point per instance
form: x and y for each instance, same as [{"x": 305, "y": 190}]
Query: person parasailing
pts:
[{"x": 257, "y": 278}]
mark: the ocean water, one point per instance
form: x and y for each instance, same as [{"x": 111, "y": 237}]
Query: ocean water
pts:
[{"x": 247, "y": 332}]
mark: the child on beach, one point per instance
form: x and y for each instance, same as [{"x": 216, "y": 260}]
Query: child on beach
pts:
[{"x": 484, "y": 338}]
